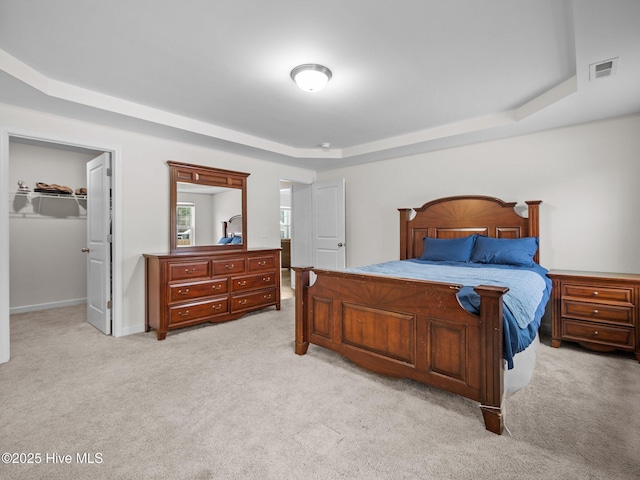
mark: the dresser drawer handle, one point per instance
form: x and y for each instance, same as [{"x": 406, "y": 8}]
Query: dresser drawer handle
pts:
[
  {"x": 262, "y": 263},
  {"x": 242, "y": 302},
  {"x": 217, "y": 307},
  {"x": 185, "y": 292},
  {"x": 595, "y": 333},
  {"x": 266, "y": 279},
  {"x": 184, "y": 314},
  {"x": 242, "y": 283},
  {"x": 266, "y": 297},
  {"x": 595, "y": 294},
  {"x": 595, "y": 312},
  {"x": 217, "y": 287},
  {"x": 229, "y": 267},
  {"x": 193, "y": 270}
]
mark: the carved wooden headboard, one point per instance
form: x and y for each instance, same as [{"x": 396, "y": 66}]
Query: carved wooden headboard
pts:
[{"x": 453, "y": 217}]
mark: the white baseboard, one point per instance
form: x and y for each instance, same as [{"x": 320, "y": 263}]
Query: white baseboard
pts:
[{"x": 47, "y": 306}]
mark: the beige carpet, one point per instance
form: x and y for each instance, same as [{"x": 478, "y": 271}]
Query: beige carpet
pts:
[{"x": 232, "y": 401}]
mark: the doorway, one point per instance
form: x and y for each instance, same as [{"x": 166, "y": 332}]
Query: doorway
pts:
[
  {"x": 70, "y": 209},
  {"x": 285, "y": 238},
  {"x": 297, "y": 199}
]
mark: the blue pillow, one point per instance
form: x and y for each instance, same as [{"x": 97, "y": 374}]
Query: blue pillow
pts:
[
  {"x": 448, "y": 249},
  {"x": 505, "y": 251},
  {"x": 225, "y": 240},
  {"x": 236, "y": 240}
]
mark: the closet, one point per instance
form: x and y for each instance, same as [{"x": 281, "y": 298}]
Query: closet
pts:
[{"x": 47, "y": 229}]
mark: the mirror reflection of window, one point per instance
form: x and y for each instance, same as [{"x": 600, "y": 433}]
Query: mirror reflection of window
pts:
[{"x": 186, "y": 222}]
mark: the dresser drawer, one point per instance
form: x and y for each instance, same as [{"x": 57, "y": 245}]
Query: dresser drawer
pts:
[
  {"x": 189, "y": 291},
  {"x": 262, "y": 263},
  {"x": 253, "y": 282},
  {"x": 619, "y": 337},
  {"x": 597, "y": 311},
  {"x": 232, "y": 265},
  {"x": 186, "y": 313},
  {"x": 184, "y": 270},
  {"x": 595, "y": 292},
  {"x": 252, "y": 300}
]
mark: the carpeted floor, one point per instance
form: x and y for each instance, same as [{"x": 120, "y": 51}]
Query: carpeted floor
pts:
[{"x": 232, "y": 401}]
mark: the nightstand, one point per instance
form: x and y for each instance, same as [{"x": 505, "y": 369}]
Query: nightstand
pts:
[{"x": 597, "y": 310}]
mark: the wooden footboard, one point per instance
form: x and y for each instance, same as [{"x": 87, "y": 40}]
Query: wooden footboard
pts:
[{"x": 407, "y": 328}]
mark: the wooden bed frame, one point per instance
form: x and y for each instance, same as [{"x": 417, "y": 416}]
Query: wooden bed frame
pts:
[{"x": 414, "y": 328}]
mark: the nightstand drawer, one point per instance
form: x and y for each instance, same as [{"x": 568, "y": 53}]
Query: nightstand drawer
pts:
[
  {"x": 597, "y": 311},
  {"x": 598, "y": 293},
  {"x": 619, "y": 337}
]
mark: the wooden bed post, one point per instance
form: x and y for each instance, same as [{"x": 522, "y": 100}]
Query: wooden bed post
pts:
[
  {"x": 302, "y": 283},
  {"x": 534, "y": 223},
  {"x": 405, "y": 213},
  {"x": 491, "y": 309}
]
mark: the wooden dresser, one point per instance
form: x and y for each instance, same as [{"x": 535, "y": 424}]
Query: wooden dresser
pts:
[
  {"x": 190, "y": 288},
  {"x": 599, "y": 311}
]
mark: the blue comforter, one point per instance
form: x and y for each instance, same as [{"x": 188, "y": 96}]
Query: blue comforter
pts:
[{"x": 529, "y": 291}]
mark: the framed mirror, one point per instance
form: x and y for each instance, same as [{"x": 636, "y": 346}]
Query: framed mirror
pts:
[{"x": 208, "y": 209}]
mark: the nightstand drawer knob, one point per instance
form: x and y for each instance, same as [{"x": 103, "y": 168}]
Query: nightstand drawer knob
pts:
[
  {"x": 595, "y": 312},
  {"x": 596, "y": 332},
  {"x": 595, "y": 294}
]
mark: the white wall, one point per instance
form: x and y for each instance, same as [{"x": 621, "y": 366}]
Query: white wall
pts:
[
  {"x": 47, "y": 266},
  {"x": 587, "y": 177},
  {"x": 145, "y": 192}
]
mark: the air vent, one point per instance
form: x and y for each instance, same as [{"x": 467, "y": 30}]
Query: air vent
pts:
[{"x": 603, "y": 69}]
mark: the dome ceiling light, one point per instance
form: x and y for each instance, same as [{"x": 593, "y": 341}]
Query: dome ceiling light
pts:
[{"x": 311, "y": 77}]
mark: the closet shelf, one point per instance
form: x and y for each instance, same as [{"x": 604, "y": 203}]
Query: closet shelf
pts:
[
  {"x": 47, "y": 205},
  {"x": 31, "y": 195}
]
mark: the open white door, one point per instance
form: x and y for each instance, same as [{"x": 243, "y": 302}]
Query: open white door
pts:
[
  {"x": 98, "y": 245},
  {"x": 329, "y": 230}
]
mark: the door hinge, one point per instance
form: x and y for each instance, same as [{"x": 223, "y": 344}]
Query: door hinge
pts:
[
  {"x": 109, "y": 238},
  {"x": 108, "y": 304},
  {"x": 108, "y": 172}
]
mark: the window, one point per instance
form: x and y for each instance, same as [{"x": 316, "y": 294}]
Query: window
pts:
[{"x": 186, "y": 222}]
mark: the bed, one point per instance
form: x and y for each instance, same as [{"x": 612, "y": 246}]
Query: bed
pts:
[{"x": 423, "y": 329}]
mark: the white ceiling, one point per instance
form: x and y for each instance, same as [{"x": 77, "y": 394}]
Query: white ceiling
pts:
[{"x": 408, "y": 76}]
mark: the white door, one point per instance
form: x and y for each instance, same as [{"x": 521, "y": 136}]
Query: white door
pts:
[
  {"x": 98, "y": 245},
  {"x": 329, "y": 231}
]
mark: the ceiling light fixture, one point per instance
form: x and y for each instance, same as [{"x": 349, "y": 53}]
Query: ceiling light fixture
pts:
[{"x": 311, "y": 77}]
